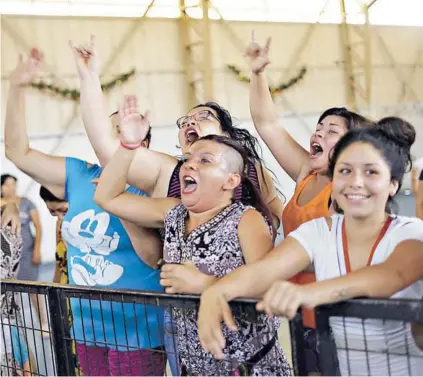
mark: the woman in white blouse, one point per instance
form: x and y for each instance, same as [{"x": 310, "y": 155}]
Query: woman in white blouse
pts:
[{"x": 364, "y": 250}]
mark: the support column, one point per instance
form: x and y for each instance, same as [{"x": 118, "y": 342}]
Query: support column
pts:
[
  {"x": 349, "y": 79},
  {"x": 357, "y": 55},
  {"x": 196, "y": 53}
]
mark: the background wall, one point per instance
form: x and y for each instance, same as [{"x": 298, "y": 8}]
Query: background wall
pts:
[{"x": 159, "y": 82}]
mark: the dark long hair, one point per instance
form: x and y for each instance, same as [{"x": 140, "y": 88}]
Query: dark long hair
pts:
[
  {"x": 243, "y": 137},
  {"x": 352, "y": 119},
  {"x": 251, "y": 195},
  {"x": 5, "y": 177},
  {"x": 393, "y": 138},
  {"x": 48, "y": 196}
]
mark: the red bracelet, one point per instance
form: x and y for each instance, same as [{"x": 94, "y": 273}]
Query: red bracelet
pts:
[{"x": 131, "y": 147}]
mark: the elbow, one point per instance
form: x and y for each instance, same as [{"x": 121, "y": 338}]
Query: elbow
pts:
[
  {"x": 8, "y": 151},
  {"x": 100, "y": 199},
  {"x": 103, "y": 156},
  {"x": 15, "y": 154},
  {"x": 392, "y": 281}
]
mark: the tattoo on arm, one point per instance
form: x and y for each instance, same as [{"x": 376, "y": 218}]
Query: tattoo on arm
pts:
[{"x": 342, "y": 294}]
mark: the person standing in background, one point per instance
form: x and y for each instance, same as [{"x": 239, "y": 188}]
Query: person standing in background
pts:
[
  {"x": 57, "y": 208},
  {"x": 31, "y": 244},
  {"x": 14, "y": 351}
]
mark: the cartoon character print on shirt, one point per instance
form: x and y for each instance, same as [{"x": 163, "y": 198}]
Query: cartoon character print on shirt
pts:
[{"x": 87, "y": 232}]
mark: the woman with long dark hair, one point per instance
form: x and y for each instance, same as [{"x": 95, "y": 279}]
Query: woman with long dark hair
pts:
[
  {"x": 157, "y": 173},
  {"x": 206, "y": 234},
  {"x": 307, "y": 167}
]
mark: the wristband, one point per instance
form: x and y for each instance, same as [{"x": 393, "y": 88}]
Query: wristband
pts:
[{"x": 131, "y": 147}]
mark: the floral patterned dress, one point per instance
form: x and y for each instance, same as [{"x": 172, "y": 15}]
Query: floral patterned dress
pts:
[
  {"x": 215, "y": 249},
  {"x": 11, "y": 314}
]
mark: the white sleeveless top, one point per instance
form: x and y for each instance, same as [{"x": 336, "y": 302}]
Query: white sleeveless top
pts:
[{"x": 375, "y": 347}]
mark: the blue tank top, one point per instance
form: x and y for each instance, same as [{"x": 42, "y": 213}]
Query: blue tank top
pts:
[{"x": 100, "y": 254}]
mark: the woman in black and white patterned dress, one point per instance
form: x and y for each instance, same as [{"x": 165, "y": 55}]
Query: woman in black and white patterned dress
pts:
[
  {"x": 215, "y": 249},
  {"x": 14, "y": 353},
  {"x": 207, "y": 236}
]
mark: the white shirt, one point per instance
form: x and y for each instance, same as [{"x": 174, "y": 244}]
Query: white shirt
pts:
[{"x": 388, "y": 352}]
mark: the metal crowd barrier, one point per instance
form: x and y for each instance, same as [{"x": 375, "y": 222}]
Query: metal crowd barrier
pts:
[
  {"x": 41, "y": 352},
  {"x": 375, "y": 337}
]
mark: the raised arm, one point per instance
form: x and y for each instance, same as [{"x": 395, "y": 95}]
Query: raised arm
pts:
[
  {"x": 292, "y": 157},
  {"x": 47, "y": 170},
  {"x": 150, "y": 170},
  {"x": 110, "y": 193},
  {"x": 250, "y": 280}
]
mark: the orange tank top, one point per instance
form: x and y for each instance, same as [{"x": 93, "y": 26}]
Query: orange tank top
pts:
[{"x": 293, "y": 216}]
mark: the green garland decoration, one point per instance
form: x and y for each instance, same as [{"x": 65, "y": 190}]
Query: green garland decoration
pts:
[
  {"x": 73, "y": 94},
  {"x": 274, "y": 90}
]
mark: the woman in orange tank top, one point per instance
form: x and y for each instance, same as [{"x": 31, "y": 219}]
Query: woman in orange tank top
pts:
[{"x": 308, "y": 168}]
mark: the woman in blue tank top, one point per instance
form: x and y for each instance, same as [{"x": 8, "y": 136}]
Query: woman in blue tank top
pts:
[{"x": 102, "y": 252}]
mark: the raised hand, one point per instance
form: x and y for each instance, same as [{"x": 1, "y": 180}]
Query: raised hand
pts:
[
  {"x": 258, "y": 54},
  {"x": 133, "y": 126},
  {"x": 86, "y": 58},
  {"x": 26, "y": 71}
]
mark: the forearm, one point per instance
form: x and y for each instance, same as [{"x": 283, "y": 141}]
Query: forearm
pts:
[
  {"x": 96, "y": 122},
  {"x": 37, "y": 241},
  {"x": 250, "y": 280},
  {"x": 262, "y": 108},
  {"x": 372, "y": 282},
  {"x": 16, "y": 136},
  {"x": 112, "y": 181}
]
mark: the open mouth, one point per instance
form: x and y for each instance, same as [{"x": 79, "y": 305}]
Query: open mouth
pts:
[
  {"x": 189, "y": 184},
  {"x": 316, "y": 150},
  {"x": 191, "y": 135}
]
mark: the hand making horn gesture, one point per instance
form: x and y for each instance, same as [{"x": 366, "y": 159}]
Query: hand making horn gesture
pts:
[
  {"x": 26, "y": 71},
  {"x": 86, "y": 58},
  {"x": 258, "y": 54},
  {"x": 133, "y": 126}
]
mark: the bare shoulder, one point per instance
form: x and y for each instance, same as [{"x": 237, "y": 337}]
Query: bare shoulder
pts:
[
  {"x": 252, "y": 220},
  {"x": 305, "y": 171}
]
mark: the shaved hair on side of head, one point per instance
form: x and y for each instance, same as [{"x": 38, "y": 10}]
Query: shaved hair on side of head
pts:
[{"x": 233, "y": 159}]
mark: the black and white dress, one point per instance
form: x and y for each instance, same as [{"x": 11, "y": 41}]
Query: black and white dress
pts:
[
  {"x": 11, "y": 250},
  {"x": 215, "y": 249}
]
